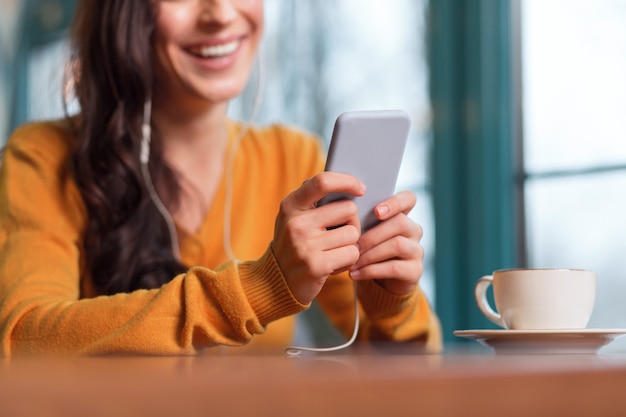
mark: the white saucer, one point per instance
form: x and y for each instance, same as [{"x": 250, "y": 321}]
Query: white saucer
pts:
[{"x": 572, "y": 341}]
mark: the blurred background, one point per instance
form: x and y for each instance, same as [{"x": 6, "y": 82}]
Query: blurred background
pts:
[{"x": 517, "y": 150}]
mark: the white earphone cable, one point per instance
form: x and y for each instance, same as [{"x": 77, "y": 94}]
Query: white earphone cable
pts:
[
  {"x": 146, "y": 133},
  {"x": 228, "y": 203}
]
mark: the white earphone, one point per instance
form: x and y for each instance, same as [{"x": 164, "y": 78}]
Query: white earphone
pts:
[{"x": 144, "y": 157}]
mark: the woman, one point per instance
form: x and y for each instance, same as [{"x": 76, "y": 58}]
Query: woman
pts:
[{"x": 120, "y": 227}]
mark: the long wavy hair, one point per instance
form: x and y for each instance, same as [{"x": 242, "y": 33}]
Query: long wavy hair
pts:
[{"x": 127, "y": 244}]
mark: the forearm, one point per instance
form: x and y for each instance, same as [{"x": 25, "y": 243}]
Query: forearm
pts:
[{"x": 199, "y": 309}]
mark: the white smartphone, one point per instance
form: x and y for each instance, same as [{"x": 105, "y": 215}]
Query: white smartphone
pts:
[{"x": 370, "y": 145}]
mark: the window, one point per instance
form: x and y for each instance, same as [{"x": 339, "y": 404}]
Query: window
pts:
[
  {"x": 9, "y": 29},
  {"x": 574, "y": 65},
  {"x": 32, "y": 60}
]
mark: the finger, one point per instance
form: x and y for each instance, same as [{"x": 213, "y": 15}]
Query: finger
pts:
[
  {"x": 341, "y": 236},
  {"x": 341, "y": 259},
  {"x": 324, "y": 263},
  {"x": 402, "y": 276},
  {"x": 396, "y": 248},
  {"x": 391, "y": 269},
  {"x": 402, "y": 202},
  {"x": 313, "y": 189},
  {"x": 339, "y": 213},
  {"x": 400, "y": 225}
]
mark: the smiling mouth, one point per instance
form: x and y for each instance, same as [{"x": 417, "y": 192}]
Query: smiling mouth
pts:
[{"x": 215, "y": 51}]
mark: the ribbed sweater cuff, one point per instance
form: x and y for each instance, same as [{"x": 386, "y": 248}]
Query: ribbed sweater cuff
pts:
[
  {"x": 380, "y": 303},
  {"x": 267, "y": 290}
]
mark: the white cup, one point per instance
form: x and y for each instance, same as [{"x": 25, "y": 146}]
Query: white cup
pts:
[{"x": 538, "y": 299}]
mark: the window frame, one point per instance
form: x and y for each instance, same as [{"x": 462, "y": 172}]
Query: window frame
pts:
[{"x": 477, "y": 177}]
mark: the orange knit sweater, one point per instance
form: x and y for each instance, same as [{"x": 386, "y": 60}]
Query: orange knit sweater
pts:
[{"x": 48, "y": 305}]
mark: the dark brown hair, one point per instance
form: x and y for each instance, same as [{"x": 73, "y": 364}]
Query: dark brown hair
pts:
[{"x": 127, "y": 244}]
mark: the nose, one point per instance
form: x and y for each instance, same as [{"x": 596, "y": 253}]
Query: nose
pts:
[{"x": 218, "y": 11}]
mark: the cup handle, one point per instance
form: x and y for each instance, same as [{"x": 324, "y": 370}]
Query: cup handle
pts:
[{"x": 480, "y": 292}]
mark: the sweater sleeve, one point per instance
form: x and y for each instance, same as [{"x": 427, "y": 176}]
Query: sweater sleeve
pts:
[{"x": 42, "y": 219}]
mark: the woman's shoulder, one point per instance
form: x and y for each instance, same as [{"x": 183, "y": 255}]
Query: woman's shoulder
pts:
[{"x": 50, "y": 137}]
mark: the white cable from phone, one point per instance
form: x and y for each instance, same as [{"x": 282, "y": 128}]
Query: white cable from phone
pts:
[{"x": 294, "y": 351}]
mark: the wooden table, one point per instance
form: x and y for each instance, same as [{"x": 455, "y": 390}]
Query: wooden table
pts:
[{"x": 373, "y": 381}]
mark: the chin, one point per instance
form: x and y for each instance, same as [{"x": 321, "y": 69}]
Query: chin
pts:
[{"x": 222, "y": 92}]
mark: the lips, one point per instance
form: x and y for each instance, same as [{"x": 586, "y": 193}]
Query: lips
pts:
[{"x": 215, "y": 50}]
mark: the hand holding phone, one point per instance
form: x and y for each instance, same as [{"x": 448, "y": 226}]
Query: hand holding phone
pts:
[{"x": 369, "y": 145}]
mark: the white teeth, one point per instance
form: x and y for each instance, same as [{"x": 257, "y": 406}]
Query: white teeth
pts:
[{"x": 215, "y": 51}]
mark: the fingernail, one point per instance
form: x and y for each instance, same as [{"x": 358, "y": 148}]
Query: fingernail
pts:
[
  {"x": 383, "y": 210},
  {"x": 355, "y": 274}
]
